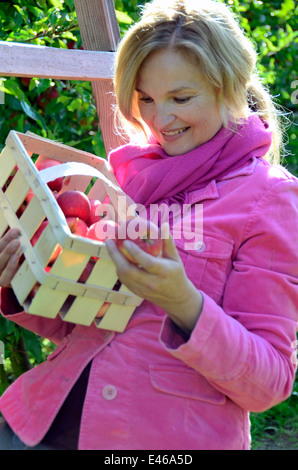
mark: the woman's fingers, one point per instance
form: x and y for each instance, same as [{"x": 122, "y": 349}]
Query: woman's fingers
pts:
[
  {"x": 10, "y": 235},
  {"x": 169, "y": 248},
  {"x": 9, "y": 256},
  {"x": 9, "y": 271}
]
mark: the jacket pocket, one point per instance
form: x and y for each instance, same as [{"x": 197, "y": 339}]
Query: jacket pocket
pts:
[
  {"x": 61, "y": 346},
  {"x": 208, "y": 267},
  {"x": 184, "y": 383}
]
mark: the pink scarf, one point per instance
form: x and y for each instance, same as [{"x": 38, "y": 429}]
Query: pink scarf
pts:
[{"x": 147, "y": 174}]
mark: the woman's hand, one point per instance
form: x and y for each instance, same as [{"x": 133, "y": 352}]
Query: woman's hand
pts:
[
  {"x": 9, "y": 256},
  {"x": 162, "y": 281}
]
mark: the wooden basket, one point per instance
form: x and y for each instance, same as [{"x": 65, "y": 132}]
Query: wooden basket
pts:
[{"x": 58, "y": 291}]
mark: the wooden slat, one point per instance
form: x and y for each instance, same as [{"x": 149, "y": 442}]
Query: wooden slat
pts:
[
  {"x": 45, "y": 304},
  {"x": 17, "y": 190},
  {"x": 23, "y": 60},
  {"x": 7, "y": 164},
  {"x": 116, "y": 318},
  {"x": 23, "y": 282},
  {"x": 100, "y": 32},
  {"x": 32, "y": 217},
  {"x": 82, "y": 311}
]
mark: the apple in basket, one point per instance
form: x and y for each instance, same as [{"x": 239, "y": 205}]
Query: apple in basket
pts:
[
  {"x": 102, "y": 230},
  {"x": 36, "y": 286},
  {"x": 143, "y": 233},
  {"x": 105, "y": 306},
  {"x": 98, "y": 211},
  {"x": 55, "y": 185},
  {"x": 74, "y": 203},
  {"x": 103, "y": 310},
  {"x": 36, "y": 236},
  {"x": 76, "y": 225}
]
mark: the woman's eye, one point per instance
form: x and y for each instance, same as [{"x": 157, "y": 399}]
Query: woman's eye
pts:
[
  {"x": 145, "y": 99},
  {"x": 182, "y": 100}
]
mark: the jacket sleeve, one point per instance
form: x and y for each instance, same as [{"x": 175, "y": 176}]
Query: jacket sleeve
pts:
[
  {"x": 53, "y": 329},
  {"x": 246, "y": 347}
]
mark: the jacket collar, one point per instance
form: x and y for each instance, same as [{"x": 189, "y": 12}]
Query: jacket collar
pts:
[{"x": 210, "y": 191}]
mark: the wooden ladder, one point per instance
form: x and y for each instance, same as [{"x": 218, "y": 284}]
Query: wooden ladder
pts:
[{"x": 100, "y": 35}]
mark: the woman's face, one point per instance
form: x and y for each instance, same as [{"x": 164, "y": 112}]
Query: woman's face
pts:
[{"x": 176, "y": 102}]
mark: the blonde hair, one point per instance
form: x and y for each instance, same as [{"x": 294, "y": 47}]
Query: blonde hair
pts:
[{"x": 209, "y": 32}]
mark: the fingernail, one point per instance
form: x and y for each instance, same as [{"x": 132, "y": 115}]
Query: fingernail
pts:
[
  {"x": 14, "y": 232},
  {"x": 128, "y": 244},
  {"x": 15, "y": 257},
  {"x": 15, "y": 244}
]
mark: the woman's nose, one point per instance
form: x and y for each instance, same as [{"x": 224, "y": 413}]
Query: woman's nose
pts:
[{"x": 163, "y": 117}]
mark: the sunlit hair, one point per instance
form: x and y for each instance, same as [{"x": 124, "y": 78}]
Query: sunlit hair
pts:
[{"x": 208, "y": 33}]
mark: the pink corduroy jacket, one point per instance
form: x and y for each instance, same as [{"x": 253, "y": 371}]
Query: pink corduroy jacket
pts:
[{"x": 152, "y": 388}]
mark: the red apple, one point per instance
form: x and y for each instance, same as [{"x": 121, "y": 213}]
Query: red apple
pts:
[
  {"x": 37, "y": 285},
  {"x": 143, "y": 233},
  {"x": 74, "y": 203},
  {"x": 25, "y": 81},
  {"x": 71, "y": 44},
  {"x": 102, "y": 230},
  {"x": 10, "y": 178},
  {"x": 77, "y": 226},
  {"x": 29, "y": 197},
  {"x": 36, "y": 236},
  {"x": 103, "y": 310},
  {"x": 95, "y": 213},
  {"x": 57, "y": 184},
  {"x": 45, "y": 97},
  {"x": 39, "y": 232},
  {"x": 52, "y": 94}
]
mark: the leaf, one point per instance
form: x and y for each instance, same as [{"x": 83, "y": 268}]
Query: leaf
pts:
[
  {"x": 37, "y": 12},
  {"x": 123, "y": 17},
  {"x": 56, "y": 3},
  {"x": 31, "y": 113},
  {"x": 6, "y": 327},
  {"x": 12, "y": 87},
  {"x": 33, "y": 345},
  {"x": 42, "y": 84},
  {"x": 74, "y": 105},
  {"x": 286, "y": 7}
]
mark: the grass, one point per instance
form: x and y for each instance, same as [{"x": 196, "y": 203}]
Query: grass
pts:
[{"x": 277, "y": 428}]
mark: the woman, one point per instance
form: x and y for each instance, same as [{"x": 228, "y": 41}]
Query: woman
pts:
[{"x": 214, "y": 336}]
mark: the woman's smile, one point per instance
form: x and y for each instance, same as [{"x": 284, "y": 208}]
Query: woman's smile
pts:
[{"x": 171, "y": 135}]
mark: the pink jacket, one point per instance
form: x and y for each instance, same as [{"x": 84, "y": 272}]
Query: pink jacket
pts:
[{"x": 152, "y": 388}]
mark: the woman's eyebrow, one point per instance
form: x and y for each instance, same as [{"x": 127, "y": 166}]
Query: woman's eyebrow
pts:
[
  {"x": 171, "y": 92},
  {"x": 180, "y": 89}
]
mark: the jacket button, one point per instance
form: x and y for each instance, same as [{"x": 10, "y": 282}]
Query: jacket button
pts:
[
  {"x": 201, "y": 247},
  {"x": 109, "y": 392}
]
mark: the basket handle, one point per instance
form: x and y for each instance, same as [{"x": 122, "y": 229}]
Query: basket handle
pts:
[
  {"x": 82, "y": 169},
  {"x": 75, "y": 168}
]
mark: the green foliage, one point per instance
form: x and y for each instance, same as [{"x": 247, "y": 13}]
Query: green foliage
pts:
[
  {"x": 65, "y": 111},
  {"x": 22, "y": 350},
  {"x": 273, "y": 28}
]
